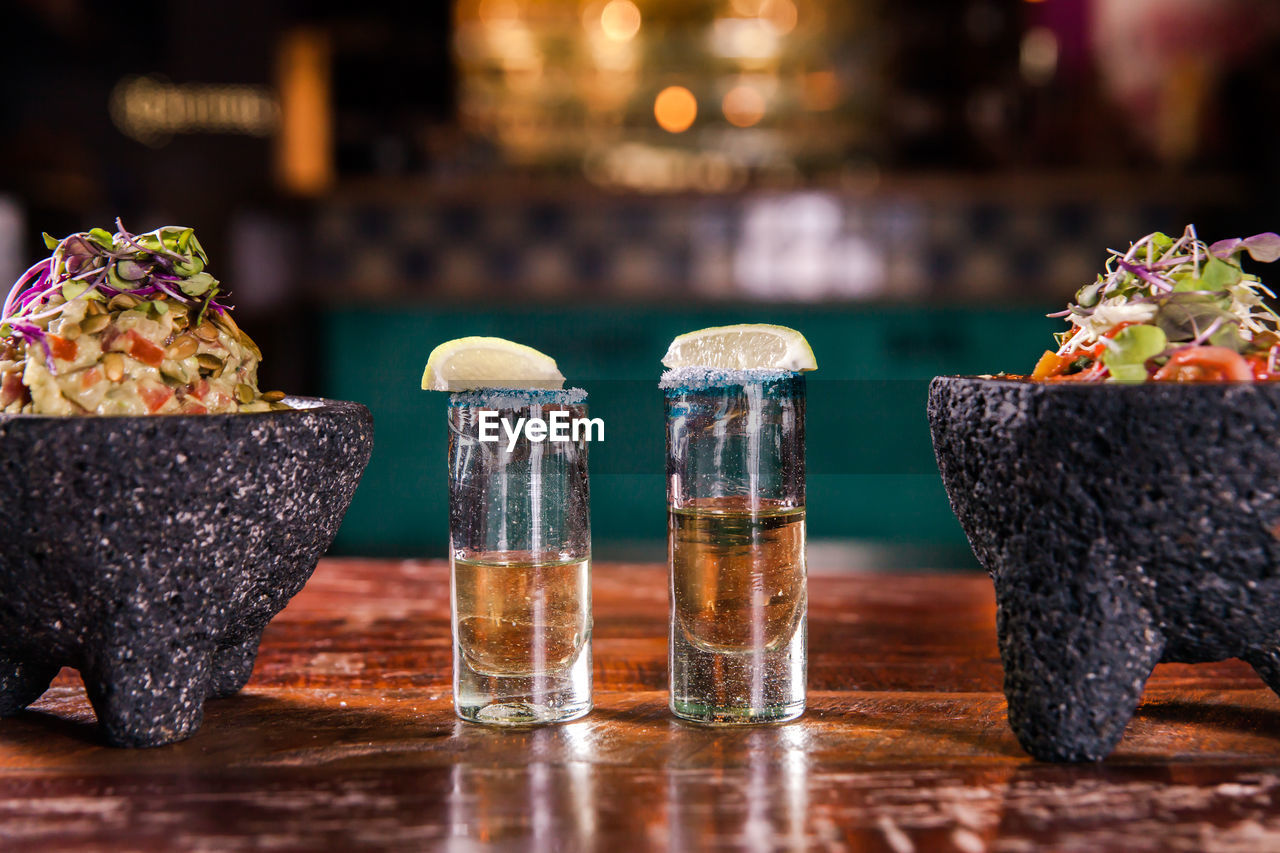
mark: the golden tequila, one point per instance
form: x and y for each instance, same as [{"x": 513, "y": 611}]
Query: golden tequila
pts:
[
  {"x": 738, "y": 574},
  {"x": 521, "y": 615}
]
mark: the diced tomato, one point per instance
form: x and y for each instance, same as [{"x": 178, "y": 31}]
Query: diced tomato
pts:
[
  {"x": 1214, "y": 364},
  {"x": 1051, "y": 364},
  {"x": 1188, "y": 373},
  {"x": 155, "y": 396},
  {"x": 62, "y": 348},
  {"x": 10, "y": 388},
  {"x": 199, "y": 388},
  {"x": 143, "y": 350},
  {"x": 190, "y": 407},
  {"x": 1261, "y": 367},
  {"x": 90, "y": 377}
]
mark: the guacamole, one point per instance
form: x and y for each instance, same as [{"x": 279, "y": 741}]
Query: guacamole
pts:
[{"x": 123, "y": 324}]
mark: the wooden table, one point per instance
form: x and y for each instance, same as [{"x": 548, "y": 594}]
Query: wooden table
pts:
[{"x": 345, "y": 739}]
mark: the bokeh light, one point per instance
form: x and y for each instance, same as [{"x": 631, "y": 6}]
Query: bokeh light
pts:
[
  {"x": 1039, "y": 55},
  {"x": 675, "y": 108},
  {"x": 743, "y": 106},
  {"x": 620, "y": 20},
  {"x": 493, "y": 12},
  {"x": 821, "y": 90},
  {"x": 781, "y": 13}
]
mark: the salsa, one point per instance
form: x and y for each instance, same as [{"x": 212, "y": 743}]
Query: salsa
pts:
[{"x": 1171, "y": 310}]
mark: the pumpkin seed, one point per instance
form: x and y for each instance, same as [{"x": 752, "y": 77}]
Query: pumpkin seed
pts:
[
  {"x": 273, "y": 396},
  {"x": 113, "y": 366},
  {"x": 70, "y": 331},
  {"x": 206, "y": 332},
  {"x": 94, "y": 309},
  {"x": 94, "y": 324},
  {"x": 248, "y": 344},
  {"x": 244, "y": 393},
  {"x": 229, "y": 324},
  {"x": 123, "y": 302},
  {"x": 209, "y": 361},
  {"x": 280, "y": 407},
  {"x": 183, "y": 347}
]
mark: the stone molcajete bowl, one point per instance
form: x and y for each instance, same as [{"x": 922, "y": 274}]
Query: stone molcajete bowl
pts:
[
  {"x": 1123, "y": 525},
  {"x": 150, "y": 552}
]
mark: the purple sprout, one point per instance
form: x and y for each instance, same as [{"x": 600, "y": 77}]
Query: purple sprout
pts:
[{"x": 79, "y": 259}]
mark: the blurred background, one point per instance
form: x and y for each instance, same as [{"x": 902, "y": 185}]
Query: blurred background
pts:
[{"x": 911, "y": 183}]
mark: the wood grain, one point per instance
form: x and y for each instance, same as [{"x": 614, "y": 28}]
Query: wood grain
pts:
[{"x": 345, "y": 739}]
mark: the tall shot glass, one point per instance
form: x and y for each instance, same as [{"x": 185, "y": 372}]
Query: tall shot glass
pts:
[
  {"x": 736, "y": 537},
  {"x": 520, "y": 552}
]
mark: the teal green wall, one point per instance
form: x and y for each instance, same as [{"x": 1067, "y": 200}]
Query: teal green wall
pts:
[{"x": 871, "y": 468}]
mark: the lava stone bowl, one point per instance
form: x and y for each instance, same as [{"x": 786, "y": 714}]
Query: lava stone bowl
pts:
[
  {"x": 150, "y": 552},
  {"x": 1123, "y": 525}
]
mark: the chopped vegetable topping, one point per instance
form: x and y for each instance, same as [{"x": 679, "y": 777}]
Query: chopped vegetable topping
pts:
[
  {"x": 125, "y": 324},
  {"x": 1171, "y": 311}
]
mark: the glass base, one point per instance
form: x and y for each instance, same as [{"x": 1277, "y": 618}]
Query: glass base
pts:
[
  {"x": 523, "y": 700},
  {"x": 740, "y": 687},
  {"x": 522, "y": 713},
  {"x": 712, "y": 715}
]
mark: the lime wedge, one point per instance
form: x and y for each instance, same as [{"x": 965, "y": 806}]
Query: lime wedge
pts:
[
  {"x": 745, "y": 347},
  {"x": 464, "y": 364}
]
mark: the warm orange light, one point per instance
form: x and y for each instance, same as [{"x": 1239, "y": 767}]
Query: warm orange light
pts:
[
  {"x": 743, "y": 106},
  {"x": 821, "y": 90},
  {"x": 493, "y": 12},
  {"x": 675, "y": 108},
  {"x": 620, "y": 20},
  {"x": 781, "y": 13},
  {"x": 303, "y": 151}
]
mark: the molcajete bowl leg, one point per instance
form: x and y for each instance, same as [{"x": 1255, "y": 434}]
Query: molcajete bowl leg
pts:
[
  {"x": 1122, "y": 526},
  {"x": 1076, "y": 655},
  {"x": 150, "y": 553}
]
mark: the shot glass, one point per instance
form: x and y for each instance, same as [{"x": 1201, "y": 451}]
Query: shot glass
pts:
[
  {"x": 520, "y": 553},
  {"x": 736, "y": 541}
]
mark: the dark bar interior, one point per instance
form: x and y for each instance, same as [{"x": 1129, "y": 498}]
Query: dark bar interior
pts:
[{"x": 912, "y": 184}]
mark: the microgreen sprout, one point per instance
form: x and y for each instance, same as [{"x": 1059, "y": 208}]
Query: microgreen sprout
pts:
[
  {"x": 1194, "y": 293},
  {"x": 168, "y": 263}
]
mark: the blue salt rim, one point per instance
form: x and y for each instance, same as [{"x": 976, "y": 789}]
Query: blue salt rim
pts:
[
  {"x": 692, "y": 379},
  {"x": 518, "y": 398}
]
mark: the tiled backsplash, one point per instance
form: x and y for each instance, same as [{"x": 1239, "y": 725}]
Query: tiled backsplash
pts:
[{"x": 798, "y": 246}]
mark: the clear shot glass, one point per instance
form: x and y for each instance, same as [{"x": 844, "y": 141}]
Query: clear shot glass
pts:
[
  {"x": 520, "y": 553},
  {"x": 736, "y": 542}
]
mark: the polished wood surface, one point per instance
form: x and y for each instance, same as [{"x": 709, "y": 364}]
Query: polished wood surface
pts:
[{"x": 345, "y": 739}]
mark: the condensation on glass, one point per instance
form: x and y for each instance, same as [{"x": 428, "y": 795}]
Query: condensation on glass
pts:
[
  {"x": 736, "y": 537},
  {"x": 520, "y": 549}
]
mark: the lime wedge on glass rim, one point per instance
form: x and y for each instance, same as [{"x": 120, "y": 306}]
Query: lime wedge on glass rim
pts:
[
  {"x": 465, "y": 364},
  {"x": 749, "y": 346}
]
